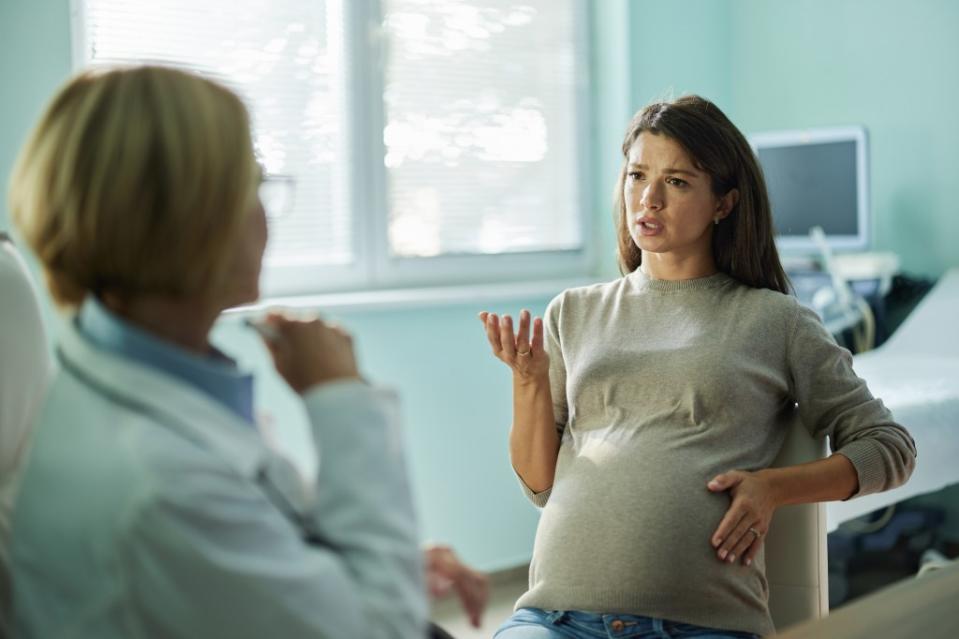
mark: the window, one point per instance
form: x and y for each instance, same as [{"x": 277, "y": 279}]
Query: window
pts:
[{"x": 431, "y": 141}]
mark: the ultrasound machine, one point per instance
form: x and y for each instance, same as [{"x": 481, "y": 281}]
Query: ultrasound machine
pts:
[{"x": 818, "y": 184}]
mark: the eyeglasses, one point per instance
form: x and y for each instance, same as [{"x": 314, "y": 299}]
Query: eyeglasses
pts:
[{"x": 277, "y": 194}]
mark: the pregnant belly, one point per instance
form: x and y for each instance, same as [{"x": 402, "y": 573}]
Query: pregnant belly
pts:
[{"x": 649, "y": 530}]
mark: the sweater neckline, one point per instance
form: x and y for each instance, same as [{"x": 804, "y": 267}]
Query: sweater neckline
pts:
[{"x": 645, "y": 282}]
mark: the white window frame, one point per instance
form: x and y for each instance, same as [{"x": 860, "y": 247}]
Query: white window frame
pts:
[{"x": 374, "y": 268}]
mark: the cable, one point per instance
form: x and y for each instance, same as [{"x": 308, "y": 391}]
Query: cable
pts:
[
  {"x": 864, "y": 334},
  {"x": 872, "y": 526}
]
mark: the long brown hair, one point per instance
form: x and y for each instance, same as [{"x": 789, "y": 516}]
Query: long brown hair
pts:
[{"x": 743, "y": 244}]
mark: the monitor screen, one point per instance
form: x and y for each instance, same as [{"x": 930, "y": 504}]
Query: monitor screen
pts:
[{"x": 816, "y": 178}]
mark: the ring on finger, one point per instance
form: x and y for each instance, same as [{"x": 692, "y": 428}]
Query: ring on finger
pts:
[
  {"x": 755, "y": 532},
  {"x": 523, "y": 353}
]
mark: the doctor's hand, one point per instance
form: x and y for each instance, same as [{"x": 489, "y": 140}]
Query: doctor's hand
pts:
[
  {"x": 307, "y": 352},
  {"x": 445, "y": 573},
  {"x": 741, "y": 532},
  {"x": 525, "y": 356}
]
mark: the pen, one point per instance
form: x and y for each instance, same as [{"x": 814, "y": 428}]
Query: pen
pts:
[{"x": 265, "y": 330}]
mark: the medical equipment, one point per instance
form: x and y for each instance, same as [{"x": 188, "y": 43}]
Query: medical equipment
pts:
[
  {"x": 864, "y": 332},
  {"x": 817, "y": 177}
]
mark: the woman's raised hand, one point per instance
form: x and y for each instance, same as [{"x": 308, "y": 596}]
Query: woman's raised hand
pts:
[{"x": 525, "y": 356}]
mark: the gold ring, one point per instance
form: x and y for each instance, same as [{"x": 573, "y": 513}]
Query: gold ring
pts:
[
  {"x": 523, "y": 353},
  {"x": 755, "y": 532}
]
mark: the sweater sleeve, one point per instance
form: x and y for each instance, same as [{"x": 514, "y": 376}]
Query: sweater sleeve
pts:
[
  {"x": 834, "y": 401},
  {"x": 557, "y": 385}
]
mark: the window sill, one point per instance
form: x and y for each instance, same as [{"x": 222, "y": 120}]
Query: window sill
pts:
[{"x": 407, "y": 298}]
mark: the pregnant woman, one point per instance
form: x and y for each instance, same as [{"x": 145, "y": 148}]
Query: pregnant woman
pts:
[{"x": 647, "y": 410}]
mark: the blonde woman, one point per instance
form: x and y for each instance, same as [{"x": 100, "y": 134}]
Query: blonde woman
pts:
[
  {"x": 149, "y": 505},
  {"x": 647, "y": 410}
]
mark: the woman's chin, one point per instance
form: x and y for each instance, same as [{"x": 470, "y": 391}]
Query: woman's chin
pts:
[{"x": 650, "y": 244}]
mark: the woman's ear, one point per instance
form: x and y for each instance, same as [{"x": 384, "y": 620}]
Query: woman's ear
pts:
[{"x": 726, "y": 204}]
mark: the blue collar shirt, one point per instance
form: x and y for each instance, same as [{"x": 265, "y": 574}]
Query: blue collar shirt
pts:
[{"x": 215, "y": 374}]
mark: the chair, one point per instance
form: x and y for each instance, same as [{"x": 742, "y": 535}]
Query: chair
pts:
[{"x": 795, "y": 547}]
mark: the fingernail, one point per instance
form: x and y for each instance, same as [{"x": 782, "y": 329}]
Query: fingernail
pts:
[
  {"x": 732, "y": 558},
  {"x": 749, "y": 562},
  {"x": 722, "y": 553}
]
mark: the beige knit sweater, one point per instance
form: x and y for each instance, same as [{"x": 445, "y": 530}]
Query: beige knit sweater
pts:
[{"x": 657, "y": 387}]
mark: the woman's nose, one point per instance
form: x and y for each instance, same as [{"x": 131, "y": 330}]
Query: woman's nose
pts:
[{"x": 651, "y": 198}]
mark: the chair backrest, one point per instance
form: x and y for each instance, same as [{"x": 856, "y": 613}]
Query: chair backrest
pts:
[{"x": 795, "y": 548}]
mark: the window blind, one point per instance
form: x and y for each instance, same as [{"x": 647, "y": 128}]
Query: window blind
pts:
[
  {"x": 477, "y": 104},
  {"x": 284, "y": 58},
  {"x": 481, "y": 126}
]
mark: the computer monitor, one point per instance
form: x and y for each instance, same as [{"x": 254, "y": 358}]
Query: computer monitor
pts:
[{"x": 817, "y": 177}]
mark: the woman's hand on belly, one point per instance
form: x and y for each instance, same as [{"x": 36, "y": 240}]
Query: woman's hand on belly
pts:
[{"x": 752, "y": 503}]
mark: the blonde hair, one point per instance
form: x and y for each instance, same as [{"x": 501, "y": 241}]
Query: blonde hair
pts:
[{"x": 136, "y": 181}]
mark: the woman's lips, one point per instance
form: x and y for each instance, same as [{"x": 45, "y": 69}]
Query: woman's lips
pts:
[{"x": 648, "y": 226}]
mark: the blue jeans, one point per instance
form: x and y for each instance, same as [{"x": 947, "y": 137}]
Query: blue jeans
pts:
[{"x": 533, "y": 623}]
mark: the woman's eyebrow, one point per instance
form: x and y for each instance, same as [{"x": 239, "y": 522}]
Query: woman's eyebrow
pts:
[{"x": 633, "y": 165}]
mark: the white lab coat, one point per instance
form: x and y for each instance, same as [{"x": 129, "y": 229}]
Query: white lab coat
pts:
[{"x": 147, "y": 509}]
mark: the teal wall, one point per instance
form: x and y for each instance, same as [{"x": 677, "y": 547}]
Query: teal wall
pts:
[
  {"x": 679, "y": 48},
  {"x": 35, "y": 58},
  {"x": 780, "y": 64},
  {"x": 769, "y": 64},
  {"x": 891, "y": 66}
]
